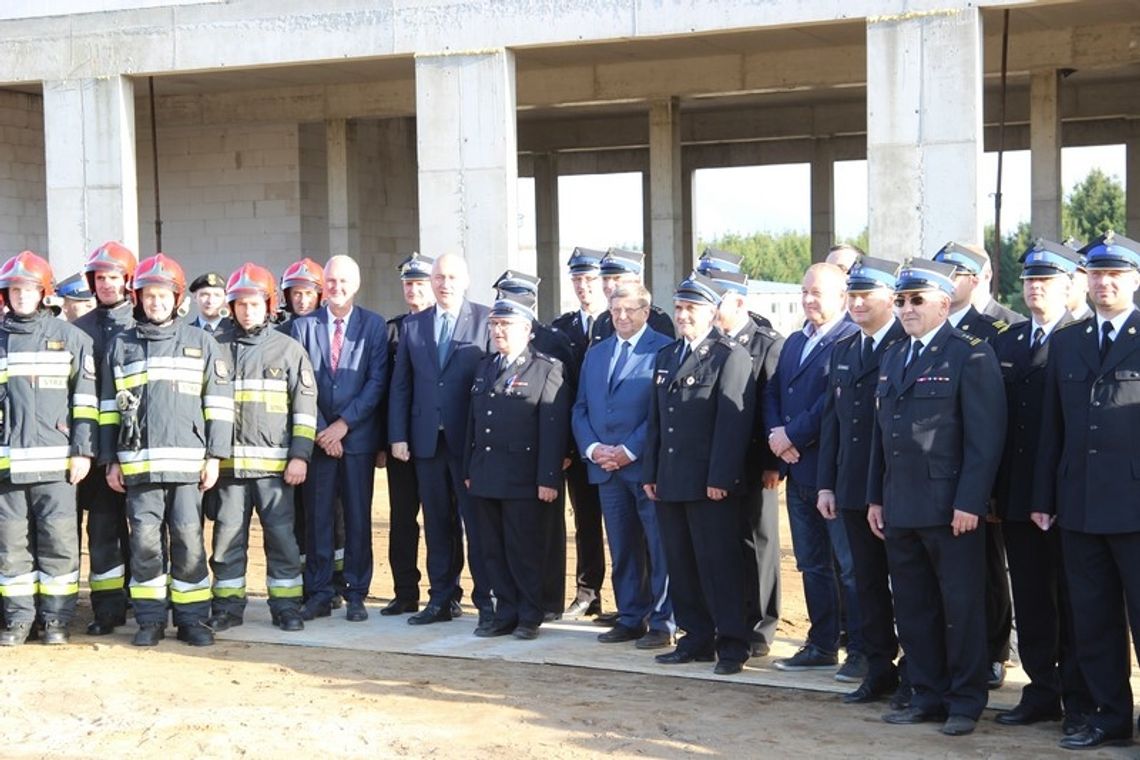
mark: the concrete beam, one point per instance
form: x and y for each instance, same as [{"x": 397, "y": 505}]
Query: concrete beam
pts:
[
  {"x": 1045, "y": 154},
  {"x": 666, "y": 261},
  {"x": 89, "y": 146},
  {"x": 343, "y": 188},
  {"x": 924, "y": 117},
  {"x": 547, "y": 250},
  {"x": 822, "y": 199},
  {"x": 468, "y": 158}
]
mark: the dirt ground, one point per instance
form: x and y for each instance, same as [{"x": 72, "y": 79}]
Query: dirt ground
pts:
[{"x": 104, "y": 698}]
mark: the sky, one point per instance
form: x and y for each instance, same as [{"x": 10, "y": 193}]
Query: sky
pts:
[{"x": 599, "y": 211}]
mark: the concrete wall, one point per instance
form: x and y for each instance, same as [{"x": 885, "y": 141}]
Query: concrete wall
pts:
[
  {"x": 313, "y": 191},
  {"x": 23, "y": 211}
]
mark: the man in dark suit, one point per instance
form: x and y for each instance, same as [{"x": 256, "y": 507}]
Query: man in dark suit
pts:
[
  {"x": 793, "y": 407},
  {"x": 579, "y": 327},
  {"x": 1086, "y": 480},
  {"x": 403, "y": 488},
  {"x": 609, "y": 422},
  {"x": 760, "y": 508},
  {"x": 845, "y": 432},
  {"x": 517, "y": 436},
  {"x": 696, "y": 441},
  {"x": 934, "y": 454},
  {"x": 348, "y": 347},
  {"x": 969, "y": 262},
  {"x": 439, "y": 351},
  {"x": 1045, "y": 640},
  {"x": 209, "y": 292}
]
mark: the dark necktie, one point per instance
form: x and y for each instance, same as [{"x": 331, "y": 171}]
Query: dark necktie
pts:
[
  {"x": 916, "y": 349},
  {"x": 443, "y": 341},
  {"x": 1105, "y": 340},
  {"x": 589, "y": 327},
  {"x": 1038, "y": 338},
  {"x": 868, "y": 351},
  {"x": 209, "y": 328},
  {"x": 623, "y": 357},
  {"x": 337, "y": 344}
]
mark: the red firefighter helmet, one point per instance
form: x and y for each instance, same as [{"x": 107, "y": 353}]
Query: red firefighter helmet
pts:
[
  {"x": 252, "y": 280},
  {"x": 29, "y": 268},
  {"x": 110, "y": 257},
  {"x": 305, "y": 273},
  {"x": 160, "y": 270}
]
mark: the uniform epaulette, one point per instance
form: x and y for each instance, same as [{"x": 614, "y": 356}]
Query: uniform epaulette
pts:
[
  {"x": 970, "y": 338},
  {"x": 1000, "y": 325},
  {"x": 544, "y": 357},
  {"x": 1067, "y": 325}
]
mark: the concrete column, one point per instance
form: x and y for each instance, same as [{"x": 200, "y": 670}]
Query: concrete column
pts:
[
  {"x": 1132, "y": 188},
  {"x": 89, "y": 152},
  {"x": 924, "y": 130},
  {"x": 1045, "y": 154},
  {"x": 343, "y": 184},
  {"x": 647, "y": 230},
  {"x": 822, "y": 199},
  {"x": 665, "y": 205},
  {"x": 466, "y": 141},
  {"x": 548, "y": 251}
]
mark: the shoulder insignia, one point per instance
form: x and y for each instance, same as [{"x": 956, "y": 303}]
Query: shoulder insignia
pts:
[{"x": 195, "y": 352}]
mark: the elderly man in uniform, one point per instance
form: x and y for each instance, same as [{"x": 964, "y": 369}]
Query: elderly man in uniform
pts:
[
  {"x": 934, "y": 454},
  {"x": 696, "y": 441},
  {"x": 845, "y": 431},
  {"x": 1044, "y": 621},
  {"x": 517, "y": 431},
  {"x": 1086, "y": 481}
]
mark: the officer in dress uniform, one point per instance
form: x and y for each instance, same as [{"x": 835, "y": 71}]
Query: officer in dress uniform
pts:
[
  {"x": 696, "y": 441},
  {"x": 1045, "y": 641},
  {"x": 1086, "y": 481},
  {"x": 845, "y": 431},
  {"x": 934, "y": 454},
  {"x": 580, "y": 327},
  {"x": 760, "y": 508},
  {"x": 78, "y": 298},
  {"x": 403, "y": 488},
  {"x": 517, "y": 433},
  {"x": 620, "y": 267},
  {"x": 209, "y": 291},
  {"x": 969, "y": 264},
  {"x": 555, "y": 344}
]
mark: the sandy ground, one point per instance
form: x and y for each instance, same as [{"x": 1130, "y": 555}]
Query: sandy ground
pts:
[{"x": 104, "y": 698}]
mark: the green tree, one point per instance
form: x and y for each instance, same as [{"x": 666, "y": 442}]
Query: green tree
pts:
[
  {"x": 1094, "y": 206},
  {"x": 1013, "y": 244},
  {"x": 781, "y": 258}
]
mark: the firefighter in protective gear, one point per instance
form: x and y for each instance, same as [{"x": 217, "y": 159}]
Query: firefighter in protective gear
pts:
[
  {"x": 109, "y": 271},
  {"x": 275, "y": 419},
  {"x": 48, "y": 434},
  {"x": 167, "y": 391}
]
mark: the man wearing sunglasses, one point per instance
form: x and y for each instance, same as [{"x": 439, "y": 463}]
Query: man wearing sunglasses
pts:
[{"x": 934, "y": 455}]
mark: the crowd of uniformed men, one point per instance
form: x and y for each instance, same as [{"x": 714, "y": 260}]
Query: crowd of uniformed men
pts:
[{"x": 926, "y": 447}]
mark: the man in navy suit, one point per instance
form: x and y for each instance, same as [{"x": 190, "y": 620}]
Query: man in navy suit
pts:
[
  {"x": 436, "y": 360},
  {"x": 609, "y": 424},
  {"x": 348, "y": 346},
  {"x": 793, "y": 408}
]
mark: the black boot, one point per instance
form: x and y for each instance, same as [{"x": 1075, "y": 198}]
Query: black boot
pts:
[
  {"x": 15, "y": 634},
  {"x": 149, "y": 634},
  {"x": 55, "y": 633},
  {"x": 196, "y": 635}
]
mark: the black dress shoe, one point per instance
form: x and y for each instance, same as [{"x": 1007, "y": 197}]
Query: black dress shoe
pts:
[
  {"x": 607, "y": 618},
  {"x": 55, "y": 633},
  {"x": 958, "y": 725},
  {"x": 399, "y": 607},
  {"x": 289, "y": 620},
  {"x": 1074, "y": 723},
  {"x": 313, "y": 610},
  {"x": 550, "y": 617},
  {"x": 149, "y": 634},
  {"x": 1095, "y": 737},
  {"x": 433, "y": 613},
  {"x": 223, "y": 621},
  {"x": 486, "y": 620},
  {"x": 871, "y": 690},
  {"x": 525, "y": 631},
  {"x": 1024, "y": 715},
  {"x": 997, "y": 675},
  {"x": 196, "y": 635},
  {"x": 900, "y": 700},
  {"x": 911, "y": 715},
  {"x": 357, "y": 612},
  {"x": 620, "y": 633},
  {"x": 495, "y": 629},
  {"x": 681, "y": 656},
  {"x": 655, "y": 640},
  {"x": 455, "y": 608},
  {"x": 104, "y": 626},
  {"x": 728, "y": 667}
]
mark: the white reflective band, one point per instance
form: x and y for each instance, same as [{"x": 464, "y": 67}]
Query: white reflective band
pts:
[
  {"x": 16, "y": 369},
  {"x": 84, "y": 399},
  {"x": 283, "y": 582},
  {"x": 305, "y": 419},
  {"x": 39, "y": 452},
  {"x": 177, "y": 585},
  {"x": 233, "y": 583},
  {"x": 158, "y": 581},
  {"x": 259, "y": 452},
  {"x": 166, "y": 452},
  {"x": 108, "y": 406},
  {"x": 192, "y": 376},
  {"x": 12, "y": 580},
  {"x": 222, "y": 415},
  {"x": 218, "y": 402},
  {"x": 133, "y": 368},
  {"x": 39, "y": 357},
  {"x": 260, "y": 384},
  {"x": 68, "y": 578},
  {"x": 176, "y": 362},
  {"x": 115, "y": 572}
]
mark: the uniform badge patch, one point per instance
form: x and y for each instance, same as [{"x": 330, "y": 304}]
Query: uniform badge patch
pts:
[
  {"x": 307, "y": 378},
  {"x": 195, "y": 352},
  {"x": 273, "y": 372},
  {"x": 221, "y": 369},
  {"x": 55, "y": 345}
]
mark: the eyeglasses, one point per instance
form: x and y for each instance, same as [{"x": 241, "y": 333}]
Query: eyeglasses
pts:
[
  {"x": 621, "y": 311},
  {"x": 901, "y": 301}
]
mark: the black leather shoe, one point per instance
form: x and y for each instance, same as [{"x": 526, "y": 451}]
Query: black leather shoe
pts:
[
  {"x": 356, "y": 612},
  {"x": 289, "y": 621},
  {"x": 550, "y": 617},
  {"x": 580, "y": 608},
  {"x": 621, "y": 633},
  {"x": 728, "y": 668},
  {"x": 997, "y": 675},
  {"x": 525, "y": 631},
  {"x": 871, "y": 690},
  {"x": 223, "y": 621},
  {"x": 900, "y": 700},
  {"x": 958, "y": 725},
  {"x": 1024, "y": 715},
  {"x": 104, "y": 626},
  {"x": 494, "y": 629},
  {"x": 680, "y": 657},
  {"x": 196, "y": 635},
  {"x": 1074, "y": 723},
  {"x": 655, "y": 640},
  {"x": 455, "y": 608},
  {"x": 433, "y": 613},
  {"x": 312, "y": 610},
  {"x": 55, "y": 633},
  {"x": 149, "y": 634},
  {"x": 1095, "y": 737},
  {"x": 399, "y": 607},
  {"x": 911, "y": 715},
  {"x": 607, "y": 618},
  {"x": 15, "y": 634}
]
